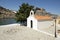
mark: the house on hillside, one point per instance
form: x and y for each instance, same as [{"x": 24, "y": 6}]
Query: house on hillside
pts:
[{"x": 39, "y": 21}]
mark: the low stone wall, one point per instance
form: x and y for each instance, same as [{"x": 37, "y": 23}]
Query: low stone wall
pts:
[{"x": 10, "y": 25}]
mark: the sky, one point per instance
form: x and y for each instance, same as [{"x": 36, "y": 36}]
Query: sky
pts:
[{"x": 52, "y": 6}]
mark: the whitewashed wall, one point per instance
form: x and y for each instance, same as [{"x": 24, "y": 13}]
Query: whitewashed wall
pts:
[
  {"x": 29, "y": 22},
  {"x": 44, "y": 24}
]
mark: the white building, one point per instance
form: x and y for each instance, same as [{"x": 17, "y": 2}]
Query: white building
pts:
[{"x": 39, "y": 21}]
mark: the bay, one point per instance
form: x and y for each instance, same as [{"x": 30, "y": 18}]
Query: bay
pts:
[{"x": 7, "y": 21}]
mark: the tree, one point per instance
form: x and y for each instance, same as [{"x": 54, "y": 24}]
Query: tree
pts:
[{"x": 23, "y": 12}]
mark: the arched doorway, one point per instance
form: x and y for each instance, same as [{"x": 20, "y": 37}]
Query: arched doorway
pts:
[{"x": 31, "y": 24}]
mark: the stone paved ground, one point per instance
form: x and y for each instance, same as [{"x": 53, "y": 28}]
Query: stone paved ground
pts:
[
  {"x": 22, "y": 33},
  {"x": 51, "y": 30}
]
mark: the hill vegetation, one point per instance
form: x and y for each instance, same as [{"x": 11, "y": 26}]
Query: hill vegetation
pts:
[{"x": 6, "y": 13}]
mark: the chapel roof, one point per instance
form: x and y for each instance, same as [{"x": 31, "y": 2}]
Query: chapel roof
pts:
[{"x": 40, "y": 17}]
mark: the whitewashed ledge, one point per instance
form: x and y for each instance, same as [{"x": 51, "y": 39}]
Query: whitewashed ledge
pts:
[{"x": 9, "y": 25}]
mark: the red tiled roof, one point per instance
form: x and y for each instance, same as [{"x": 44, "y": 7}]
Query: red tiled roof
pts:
[{"x": 38, "y": 17}]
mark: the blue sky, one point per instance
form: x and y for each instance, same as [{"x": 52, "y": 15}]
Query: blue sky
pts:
[{"x": 52, "y": 6}]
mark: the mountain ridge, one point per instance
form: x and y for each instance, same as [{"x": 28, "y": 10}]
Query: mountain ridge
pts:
[{"x": 43, "y": 12}]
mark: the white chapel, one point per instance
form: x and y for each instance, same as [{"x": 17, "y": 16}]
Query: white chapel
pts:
[{"x": 39, "y": 21}]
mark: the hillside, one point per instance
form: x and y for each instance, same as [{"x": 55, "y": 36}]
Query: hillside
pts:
[
  {"x": 42, "y": 11},
  {"x": 6, "y": 13}
]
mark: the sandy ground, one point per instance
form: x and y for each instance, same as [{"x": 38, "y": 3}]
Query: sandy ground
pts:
[{"x": 18, "y": 32}]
